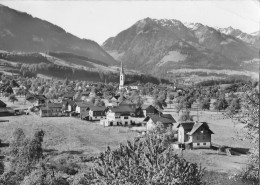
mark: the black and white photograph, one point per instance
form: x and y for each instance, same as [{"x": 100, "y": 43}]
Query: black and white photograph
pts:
[{"x": 131, "y": 92}]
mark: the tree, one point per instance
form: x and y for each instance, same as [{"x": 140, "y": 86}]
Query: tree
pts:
[
  {"x": 25, "y": 155},
  {"x": 41, "y": 90},
  {"x": 185, "y": 116},
  {"x": 179, "y": 107},
  {"x": 234, "y": 106},
  {"x": 147, "y": 161},
  {"x": 99, "y": 102},
  {"x": 205, "y": 103},
  {"x": 13, "y": 83},
  {"x": 9, "y": 90},
  {"x": 248, "y": 114},
  {"x": 12, "y": 98},
  {"x": 220, "y": 104}
]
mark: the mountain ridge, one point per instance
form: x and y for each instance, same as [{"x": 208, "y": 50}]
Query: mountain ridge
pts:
[
  {"x": 158, "y": 45},
  {"x": 20, "y": 31}
]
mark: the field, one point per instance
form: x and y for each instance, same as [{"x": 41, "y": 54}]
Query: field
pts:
[{"x": 66, "y": 134}]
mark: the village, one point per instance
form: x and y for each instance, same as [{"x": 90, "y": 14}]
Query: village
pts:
[
  {"x": 141, "y": 114},
  {"x": 81, "y": 119}
]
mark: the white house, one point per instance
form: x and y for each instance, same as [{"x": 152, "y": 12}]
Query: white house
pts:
[
  {"x": 120, "y": 115},
  {"x": 97, "y": 113},
  {"x": 153, "y": 120},
  {"x": 196, "y": 134},
  {"x": 82, "y": 108}
]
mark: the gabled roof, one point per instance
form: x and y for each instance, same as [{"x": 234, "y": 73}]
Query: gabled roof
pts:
[
  {"x": 163, "y": 118},
  {"x": 134, "y": 84},
  {"x": 145, "y": 106},
  {"x": 2, "y": 104},
  {"x": 69, "y": 102},
  {"x": 83, "y": 104},
  {"x": 197, "y": 125},
  {"x": 97, "y": 108},
  {"x": 36, "y": 97},
  {"x": 122, "y": 109},
  {"x": 187, "y": 125},
  {"x": 54, "y": 105}
]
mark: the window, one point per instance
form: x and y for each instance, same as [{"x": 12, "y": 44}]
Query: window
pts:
[
  {"x": 125, "y": 117},
  {"x": 198, "y": 144},
  {"x": 204, "y": 143}
]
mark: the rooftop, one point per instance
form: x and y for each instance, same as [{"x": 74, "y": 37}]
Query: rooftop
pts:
[{"x": 163, "y": 118}]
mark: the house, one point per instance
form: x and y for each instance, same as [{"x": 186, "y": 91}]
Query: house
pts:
[
  {"x": 195, "y": 134},
  {"x": 148, "y": 109},
  {"x": 52, "y": 110},
  {"x": 97, "y": 113},
  {"x": 15, "y": 90},
  {"x": 69, "y": 96},
  {"x": 68, "y": 105},
  {"x": 84, "y": 95},
  {"x": 120, "y": 115},
  {"x": 152, "y": 121},
  {"x": 38, "y": 99},
  {"x": 134, "y": 86},
  {"x": 82, "y": 109},
  {"x": 116, "y": 100},
  {"x": 4, "y": 111}
]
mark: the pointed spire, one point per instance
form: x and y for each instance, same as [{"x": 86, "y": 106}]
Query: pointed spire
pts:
[{"x": 122, "y": 69}]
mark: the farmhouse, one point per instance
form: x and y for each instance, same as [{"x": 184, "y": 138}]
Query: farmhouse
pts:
[
  {"x": 148, "y": 109},
  {"x": 153, "y": 120},
  {"x": 195, "y": 134},
  {"x": 82, "y": 107},
  {"x": 52, "y": 110},
  {"x": 120, "y": 115},
  {"x": 97, "y": 113},
  {"x": 68, "y": 105}
]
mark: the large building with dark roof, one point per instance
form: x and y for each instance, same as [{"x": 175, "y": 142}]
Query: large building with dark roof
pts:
[{"x": 196, "y": 134}]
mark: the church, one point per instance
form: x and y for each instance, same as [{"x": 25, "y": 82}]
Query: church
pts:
[
  {"x": 122, "y": 78},
  {"x": 124, "y": 85}
]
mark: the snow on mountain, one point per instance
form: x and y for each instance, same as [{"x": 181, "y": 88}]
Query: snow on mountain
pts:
[
  {"x": 158, "y": 45},
  {"x": 257, "y": 33},
  {"x": 252, "y": 39}
]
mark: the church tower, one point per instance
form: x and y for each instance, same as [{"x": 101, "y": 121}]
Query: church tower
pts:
[{"x": 122, "y": 77}]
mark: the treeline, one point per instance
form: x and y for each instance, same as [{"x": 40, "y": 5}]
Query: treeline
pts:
[
  {"x": 229, "y": 80},
  {"x": 70, "y": 56},
  {"x": 63, "y": 72},
  {"x": 28, "y": 58}
]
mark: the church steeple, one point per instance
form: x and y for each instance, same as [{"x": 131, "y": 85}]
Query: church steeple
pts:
[
  {"x": 122, "y": 69},
  {"x": 122, "y": 77}
]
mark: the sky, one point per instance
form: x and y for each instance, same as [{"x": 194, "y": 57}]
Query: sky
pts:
[{"x": 99, "y": 20}]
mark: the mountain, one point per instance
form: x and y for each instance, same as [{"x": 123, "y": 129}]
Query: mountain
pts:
[
  {"x": 253, "y": 38},
  {"x": 21, "y": 32},
  {"x": 157, "y": 46},
  {"x": 257, "y": 33}
]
